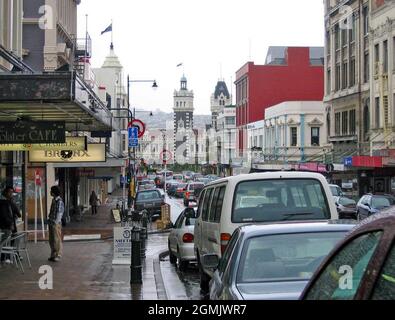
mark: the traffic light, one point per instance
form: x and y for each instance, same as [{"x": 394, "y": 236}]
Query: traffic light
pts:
[{"x": 129, "y": 177}]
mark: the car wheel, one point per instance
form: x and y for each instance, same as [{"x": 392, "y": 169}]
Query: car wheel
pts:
[{"x": 183, "y": 265}]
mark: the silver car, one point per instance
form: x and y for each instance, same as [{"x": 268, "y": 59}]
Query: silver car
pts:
[
  {"x": 181, "y": 239},
  {"x": 272, "y": 261}
]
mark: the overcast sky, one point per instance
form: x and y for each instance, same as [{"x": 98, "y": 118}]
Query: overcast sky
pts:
[{"x": 152, "y": 37}]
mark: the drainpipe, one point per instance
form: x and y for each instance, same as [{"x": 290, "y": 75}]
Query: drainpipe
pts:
[{"x": 302, "y": 137}]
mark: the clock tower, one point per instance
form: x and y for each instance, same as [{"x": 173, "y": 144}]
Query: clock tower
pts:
[{"x": 183, "y": 123}]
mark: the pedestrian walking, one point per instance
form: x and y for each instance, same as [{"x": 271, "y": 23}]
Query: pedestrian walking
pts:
[
  {"x": 94, "y": 202},
  {"x": 55, "y": 225}
]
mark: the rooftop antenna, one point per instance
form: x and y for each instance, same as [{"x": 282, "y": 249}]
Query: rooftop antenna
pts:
[{"x": 112, "y": 36}]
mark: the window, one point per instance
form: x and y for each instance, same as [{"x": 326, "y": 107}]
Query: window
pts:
[
  {"x": 328, "y": 43},
  {"x": 352, "y": 122},
  {"x": 279, "y": 257},
  {"x": 352, "y": 72},
  {"x": 366, "y": 117},
  {"x": 294, "y": 137},
  {"x": 353, "y": 29},
  {"x": 377, "y": 112},
  {"x": 365, "y": 20},
  {"x": 356, "y": 255},
  {"x": 218, "y": 204},
  {"x": 206, "y": 205},
  {"x": 345, "y": 123},
  {"x": 385, "y": 287},
  {"x": 345, "y": 75},
  {"x": 337, "y": 77},
  {"x": 315, "y": 136},
  {"x": 328, "y": 81},
  {"x": 344, "y": 37},
  {"x": 337, "y": 37},
  {"x": 230, "y": 121},
  {"x": 385, "y": 57},
  {"x": 366, "y": 67},
  {"x": 337, "y": 123},
  {"x": 376, "y": 58},
  {"x": 279, "y": 200},
  {"x": 328, "y": 124}
]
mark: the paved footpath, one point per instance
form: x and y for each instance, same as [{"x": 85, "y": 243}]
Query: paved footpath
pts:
[{"x": 86, "y": 271}]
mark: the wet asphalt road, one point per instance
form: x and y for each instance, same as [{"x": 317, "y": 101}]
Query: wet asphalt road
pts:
[{"x": 172, "y": 276}]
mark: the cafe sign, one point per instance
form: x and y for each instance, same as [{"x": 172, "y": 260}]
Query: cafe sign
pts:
[
  {"x": 96, "y": 152},
  {"x": 32, "y": 132},
  {"x": 72, "y": 143}
]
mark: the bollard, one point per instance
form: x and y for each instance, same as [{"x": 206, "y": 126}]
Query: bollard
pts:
[
  {"x": 144, "y": 221},
  {"x": 143, "y": 243},
  {"x": 136, "y": 268}
]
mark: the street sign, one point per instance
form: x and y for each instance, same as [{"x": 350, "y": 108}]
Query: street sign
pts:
[
  {"x": 133, "y": 137},
  {"x": 348, "y": 161},
  {"x": 140, "y": 125}
]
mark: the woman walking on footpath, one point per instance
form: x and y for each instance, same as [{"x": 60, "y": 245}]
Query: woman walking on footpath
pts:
[
  {"x": 55, "y": 225},
  {"x": 94, "y": 201}
]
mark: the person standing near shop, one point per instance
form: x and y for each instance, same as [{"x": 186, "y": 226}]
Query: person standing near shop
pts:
[
  {"x": 8, "y": 194},
  {"x": 55, "y": 225},
  {"x": 94, "y": 202}
]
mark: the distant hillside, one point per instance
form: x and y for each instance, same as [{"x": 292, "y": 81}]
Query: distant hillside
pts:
[{"x": 159, "y": 119}]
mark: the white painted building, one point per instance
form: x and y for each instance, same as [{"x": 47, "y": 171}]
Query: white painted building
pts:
[{"x": 292, "y": 132}]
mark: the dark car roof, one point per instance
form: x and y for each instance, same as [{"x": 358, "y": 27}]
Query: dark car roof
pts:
[
  {"x": 385, "y": 218},
  {"x": 297, "y": 227}
]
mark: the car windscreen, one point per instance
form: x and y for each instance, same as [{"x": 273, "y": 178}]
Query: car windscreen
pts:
[
  {"x": 336, "y": 191},
  {"x": 196, "y": 186},
  {"x": 146, "y": 196},
  {"x": 279, "y": 200},
  {"x": 285, "y": 257},
  {"x": 381, "y": 202},
  {"x": 347, "y": 202}
]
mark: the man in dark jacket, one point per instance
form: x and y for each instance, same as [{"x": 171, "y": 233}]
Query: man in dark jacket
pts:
[
  {"x": 9, "y": 213},
  {"x": 55, "y": 225}
]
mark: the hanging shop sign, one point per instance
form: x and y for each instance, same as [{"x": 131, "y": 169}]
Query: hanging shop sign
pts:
[
  {"x": 72, "y": 143},
  {"x": 94, "y": 153},
  {"x": 29, "y": 132}
]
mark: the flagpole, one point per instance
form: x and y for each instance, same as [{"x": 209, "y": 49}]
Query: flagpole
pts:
[{"x": 112, "y": 36}]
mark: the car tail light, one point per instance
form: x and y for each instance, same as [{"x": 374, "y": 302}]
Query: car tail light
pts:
[
  {"x": 187, "y": 238},
  {"x": 187, "y": 194},
  {"x": 225, "y": 237}
]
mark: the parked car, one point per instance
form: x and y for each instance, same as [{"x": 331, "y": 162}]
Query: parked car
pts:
[
  {"x": 192, "y": 192},
  {"x": 188, "y": 175},
  {"x": 336, "y": 190},
  {"x": 347, "y": 208},
  {"x": 172, "y": 187},
  {"x": 203, "y": 180},
  {"x": 227, "y": 204},
  {"x": 366, "y": 258},
  {"x": 373, "y": 203},
  {"x": 150, "y": 200},
  {"x": 181, "y": 239},
  {"x": 178, "y": 177},
  {"x": 179, "y": 193},
  {"x": 197, "y": 176},
  {"x": 272, "y": 261}
]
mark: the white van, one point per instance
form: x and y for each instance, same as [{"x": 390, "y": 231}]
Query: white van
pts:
[{"x": 270, "y": 197}]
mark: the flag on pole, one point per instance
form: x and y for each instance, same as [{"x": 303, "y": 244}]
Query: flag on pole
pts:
[
  {"x": 179, "y": 65},
  {"x": 108, "y": 29}
]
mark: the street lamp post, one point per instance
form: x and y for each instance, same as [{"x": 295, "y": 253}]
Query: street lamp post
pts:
[{"x": 132, "y": 153}]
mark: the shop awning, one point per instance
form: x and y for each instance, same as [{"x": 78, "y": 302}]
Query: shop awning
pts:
[
  {"x": 59, "y": 96},
  {"x": 110, "y": 163}
]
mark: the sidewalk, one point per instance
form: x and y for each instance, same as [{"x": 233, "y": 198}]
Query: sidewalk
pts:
[{"x": 86, "y": 271}]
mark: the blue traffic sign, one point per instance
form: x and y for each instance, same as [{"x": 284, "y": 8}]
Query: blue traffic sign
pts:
[
  {"x": 133, "y": 137},
  {"x": 348, "y": 161}
]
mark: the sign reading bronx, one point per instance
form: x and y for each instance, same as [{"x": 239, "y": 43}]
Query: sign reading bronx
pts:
[{"x": 32, "y": 132}]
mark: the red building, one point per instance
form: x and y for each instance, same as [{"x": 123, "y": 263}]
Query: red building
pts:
[{"x": 290, "y": 74}]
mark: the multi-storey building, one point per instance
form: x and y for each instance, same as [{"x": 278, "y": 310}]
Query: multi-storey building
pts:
[
  {"x": 290, "y": 74},
  {"x": 227, "y": 136},
  {"x": 183, "y": 123}
]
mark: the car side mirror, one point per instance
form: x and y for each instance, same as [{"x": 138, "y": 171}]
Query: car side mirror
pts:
[{"x": 210, "y": 261}]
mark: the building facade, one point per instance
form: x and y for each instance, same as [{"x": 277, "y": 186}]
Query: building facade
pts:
[{"x": 261, "y": 86}]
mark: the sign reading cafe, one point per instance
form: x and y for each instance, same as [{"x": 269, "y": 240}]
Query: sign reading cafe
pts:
[{"x": 22, "y": 132}]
